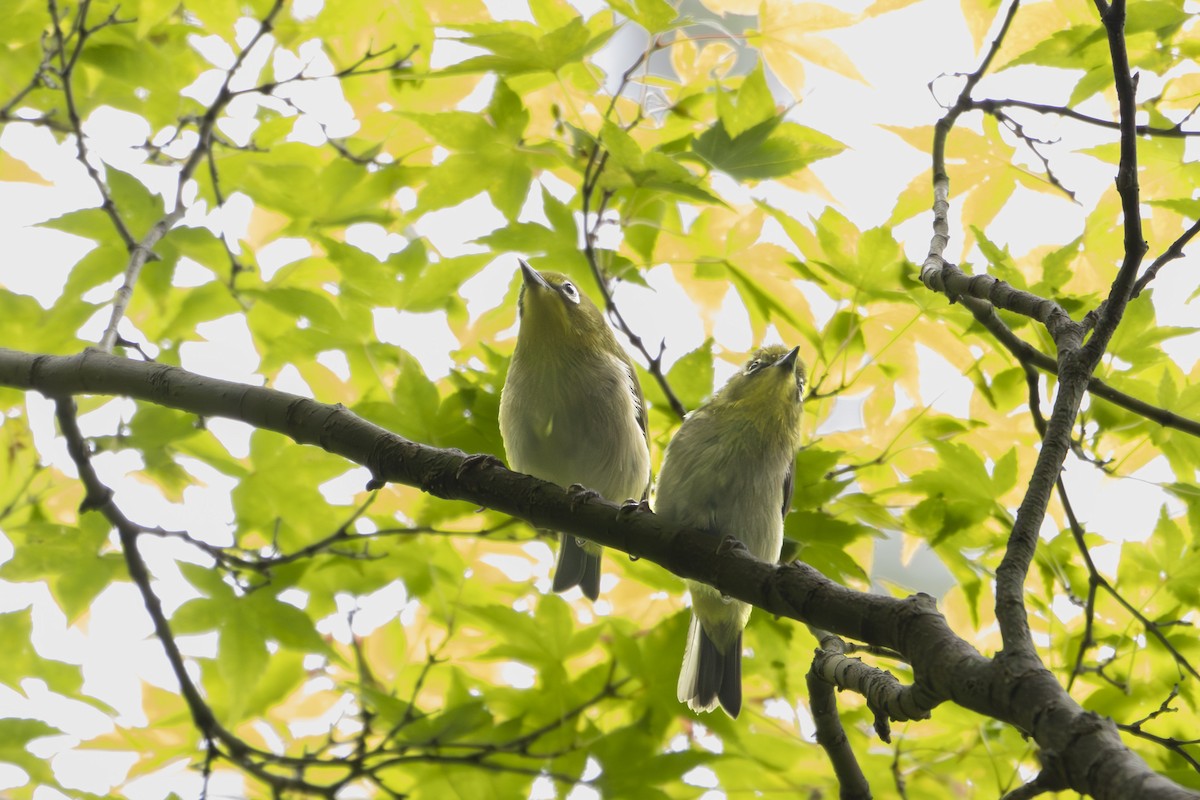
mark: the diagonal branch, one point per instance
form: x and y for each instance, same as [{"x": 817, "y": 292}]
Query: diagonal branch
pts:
[
  {"x": 1170, "y": 254},
  {"x": 142, "y": 251},
  {"x": 1009, "y": 687},
  {"x": 597, "y": 160},
  {"x": 100, "y": 498},
  {"x": 1029, "y": 355},
  {"x": 66, "y": 67},
  {"x": 888, "y": 699},
  {"x": 955, "y": 284}
]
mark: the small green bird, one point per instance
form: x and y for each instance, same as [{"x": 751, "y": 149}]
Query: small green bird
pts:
[
  {"x": 572, "y": 410},
  {"x": 728, "y": 470}
]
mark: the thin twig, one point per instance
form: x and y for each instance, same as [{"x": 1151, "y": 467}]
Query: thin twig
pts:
[
  {"x": 1170, "y": 254},
  {"x": 66, "y": 66},
  {"x": 1097, "y": 581},
  {"x": 593, "y": 218},
  {"x": 1026, "y": 353},
  {"x": 100, "y": 498},
  {"x": 143, "y": 251},
  {"x": 992, "y": 106}
]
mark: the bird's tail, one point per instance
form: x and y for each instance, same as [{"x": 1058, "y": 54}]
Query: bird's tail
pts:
[
  {"x": 577, "y": 567},
  {"x": 709, "y": 676}
]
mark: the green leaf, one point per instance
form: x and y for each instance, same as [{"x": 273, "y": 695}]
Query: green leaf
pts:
[
  {"x": 138, "y": 207},
  {"x": 691, "y": 377},
  {"x": 69, "y": 558},
  {"x": 15, "y": 736},
  {"x": 655, "y": 16},
  {"x": 771, "y": 149},
  {"x": 520, "y": 48},
  {"x": 630, "y": 166},
  {"x": 750, "y": 106},
  {"x": 22, "y": 661}
]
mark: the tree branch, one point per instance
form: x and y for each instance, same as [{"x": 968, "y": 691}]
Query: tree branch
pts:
[
  {"x": 100, "y": 498},
  {"x": 1076, "y": 360},
  {"x": 1009, "y": 687},
  {"x": 951, "y": 281},
  {"x": 889, "y": 699},
  {"x": 831, "y": 736},
  {"x": 597, "y": 160},
  {"x": 66, "y": 68},
  {"x": 1170, "y": 254},
  {"x": 993, "y": 106},
  {"x": 1029, "y": 355},
  {"x": 1111, "y": 310},
  {"x": 143, "y": 251}
]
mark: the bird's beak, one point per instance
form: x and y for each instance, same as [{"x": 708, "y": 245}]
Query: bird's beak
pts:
[
  {"x": 788, "y": 361},
  {"x": 533, "y": 279}
]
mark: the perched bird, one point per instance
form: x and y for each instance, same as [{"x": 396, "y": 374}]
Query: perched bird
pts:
[
  {"x": 728, "y": 470},
  {"x": 572, "y": 410}
]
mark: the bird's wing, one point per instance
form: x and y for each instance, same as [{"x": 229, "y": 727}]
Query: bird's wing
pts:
[
  {"x": 641, "y": 413},
  {"x": 789, "y": 481}
]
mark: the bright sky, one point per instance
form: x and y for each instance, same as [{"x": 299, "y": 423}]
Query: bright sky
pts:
[{"x": 115, "y": 642}]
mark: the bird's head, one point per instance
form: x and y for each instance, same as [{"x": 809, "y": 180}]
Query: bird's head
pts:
[
  {"x": 769, "y": 388},
  {"x": 554, "y": 312}
]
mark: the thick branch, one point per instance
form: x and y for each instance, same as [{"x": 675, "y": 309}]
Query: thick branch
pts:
[
  {"x": 1010, "y": 688},
  {"x": 955, "y": 284},
  {"x": 1125, "y": 82},
  {"x": 885, "y": 695},
  {"x": 831, "y": 735}
]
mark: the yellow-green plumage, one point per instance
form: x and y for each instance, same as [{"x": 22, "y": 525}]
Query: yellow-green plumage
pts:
[
  {"x": 728, "y": 470},
  {"x": 571, "y": 410}
]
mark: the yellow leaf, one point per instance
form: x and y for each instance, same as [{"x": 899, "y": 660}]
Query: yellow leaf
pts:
[
  {"x": 979, "y": 15},
  {"x": 707, "y": 295},
  {"x": 722, "y": 7},
  {"x": 807, "y": 181},
  {"x": 786, "y": 38},
  {"x": 982, "y": 205},
  {"x": 17, "y": 171},
  {"x": 919, "y": 137},
  {"x": 1033, "y": 21},
  {"x": 694, "y": 64},
  {"x": 909, "y": 545},
  {"x": 264, "y": 227},
  {"x": 881, "y": 7},
  {"x": 1182, "y": 93},
  {"x": 785, "y": 18},
  {"x": 916, "y": 198}
]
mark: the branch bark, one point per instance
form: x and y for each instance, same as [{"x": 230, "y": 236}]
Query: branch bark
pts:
[{"x": 1010, "y": 687}]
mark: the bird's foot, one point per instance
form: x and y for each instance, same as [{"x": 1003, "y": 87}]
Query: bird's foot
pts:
[
  {"x": 477, "y": 461},
  {"x": 729, "y": 543},
  {"x": 580, "y": 494},
  {"x": 631, "y": 507}
]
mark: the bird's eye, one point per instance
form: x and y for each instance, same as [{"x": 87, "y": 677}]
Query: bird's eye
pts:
[
  {"x": 753, "y": 366},
  {"x": 570, "y": 292}
]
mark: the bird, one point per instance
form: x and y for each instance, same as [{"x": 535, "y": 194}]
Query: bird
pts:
[
  {"x": 728, "y": 471},
  {"x": 572, "y": 410}
]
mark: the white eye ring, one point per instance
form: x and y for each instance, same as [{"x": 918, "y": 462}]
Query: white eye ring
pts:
[
  {"x": 753, "y": 366},
  {"x": 570, "y": 292}
]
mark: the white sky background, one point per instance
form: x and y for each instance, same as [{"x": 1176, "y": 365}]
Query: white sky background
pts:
[{"x": 898, "y": 54}]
